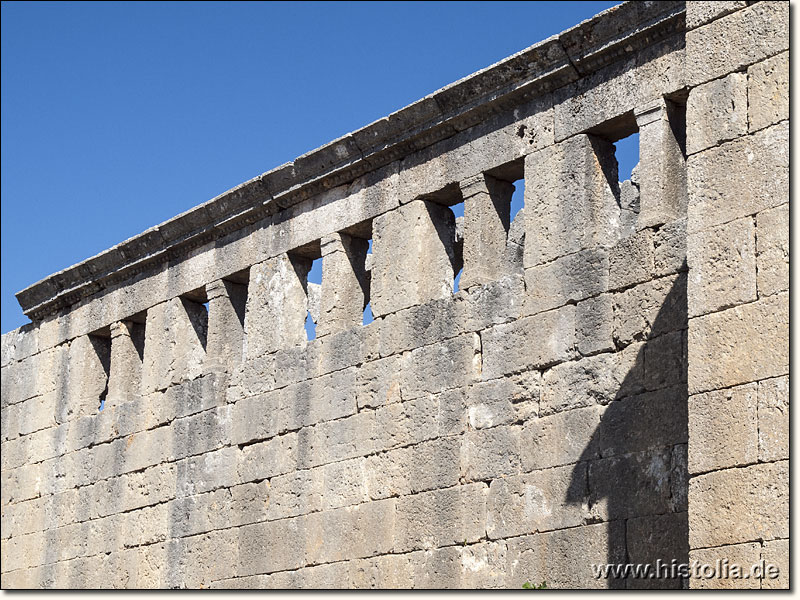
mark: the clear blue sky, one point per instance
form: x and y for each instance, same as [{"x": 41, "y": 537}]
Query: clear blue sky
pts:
[{"x": 118, "y": 116}]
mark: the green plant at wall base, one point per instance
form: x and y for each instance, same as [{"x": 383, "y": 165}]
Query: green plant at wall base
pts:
[{"x": 529, "y": 586}]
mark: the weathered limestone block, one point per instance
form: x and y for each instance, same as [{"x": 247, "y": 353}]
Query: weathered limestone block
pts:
[
  {"x": 570, "y": 199},
  {"x": 748, "y": 343},
  {"x": 644, "y": 422},
  {"x": 490, "y": 453},
  {"x": 560, "y": 439},
  {"x": 756, "y": 498},
  {"x": 595, "y": 325},
  {"x": 539, "y": 501},
  {"x": 630, "y": 485},
  {"x": 422, "y": 325},
  {"x": 631, "y": 261},
  {"x": 504, "y": 401},
  {"x": 736, "y": 40},
  {"x": 567, "y": 279},
  {"x": 699, "y": 13},
  {"x": 662, "y": 167},
  {"x": 412, "y": 251},
  {"x": 419, "y": 468},
  {"x": 722, "y": 262},
  {"x": 658, "y": 537},
  {"x": 716, "y": 112},
  {"x": 776, "y": 553},
  {"x": 773, "y": 419},
  {"x": 446, "y": 365},
  {"x": 277, "y": 305},
  {"x": 650, "y": 309},
  {"x": 563, "y": 558},
  {"x": 345, "y": 289},
  {"x": 742, "y": 555},
  {"x": 772, "y": 250},
  {"x": 487, "y": 218},
  {"x": 529, "y": 343},
  {"x": 174, "y": 349},
  {"x": 268, "y": 459},
  {"x": 226, "y": 312},
  {"x": 723, "y": 430},
  {"x": 127, "y": 350},
  {"x": 768, "y": 91},
  {"x": 670, "y": 248},
  {"x": 380, "y": 382},
  {"x": 739, "y": 178},
  {"x": 445, "y": 517},
  {"x": 592, "y": 380}
]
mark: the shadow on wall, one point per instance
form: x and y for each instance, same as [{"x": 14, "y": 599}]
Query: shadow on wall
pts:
[{"x": 633, "y": 472}]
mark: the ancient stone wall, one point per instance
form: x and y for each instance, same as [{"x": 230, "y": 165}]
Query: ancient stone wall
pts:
[{"x": 609, "y": 384}]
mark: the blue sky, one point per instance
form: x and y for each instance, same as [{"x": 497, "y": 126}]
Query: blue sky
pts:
[{"x": 118, "y": 116}]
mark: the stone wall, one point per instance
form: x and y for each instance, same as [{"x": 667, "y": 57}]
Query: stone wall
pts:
[{"x": 609, "y": 383}]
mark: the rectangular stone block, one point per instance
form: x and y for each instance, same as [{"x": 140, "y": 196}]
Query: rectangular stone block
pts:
[
  {"x": 716, "y": 112},
  {"x": 504, "y": 401},
  {"x": 756, "y": 498},
  {"x": 441, "y": 517},
  {"x": 423, "y": 467},
  {"x": 648, "y": 421},
  {"x": 563, "y": 559},
  {"x": 722, "y": 262},
  {"x": 768, "y": 91},
  {"x": 776, "y": 553},
  {"x": 670, "y": 248},
  {"x": 345, "y": 286},
  {"x": 490, "y": 453},
  {"x": 631, "y": 260},
  {"x": 631, "y": 485},
  {"x": 536, "y": 502},
  {"x": 267, "y": 459},
  {"x": 529, "y": 343},
  {"x": 744, "y": 556},
  {"x": 567, "y": 279},
  {"x": 595, "y": 325},
  {"x": 380, "y": 382},
  {"x": 445, "y": 365},
  {"x": 650, "y": 309},
  {"x": 772, "y": 250},
  {"x": 662, "y": 166},
  {"x": 747, "y": 343},
  {"x": 723, "y": 429},
  {"x": 412, "y": 250},
  {"x": 660, "y": 540},
  {"x": 773, "y": 419},
  {"x": 227, "y": 302},
  {"x": 570, "y": 199},
  {"x": 560, "y": 439},
  {"x": 277, "y": 305},
  {"x": 487, "y": 217},
  {"x": 736, "y": 40},
  {"x": 421, "y": 325},
  {"x": 739, "y": 178},
  {"x": 700, "y": 13}
]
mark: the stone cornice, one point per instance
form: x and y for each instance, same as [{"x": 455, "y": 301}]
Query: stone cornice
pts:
[{"x": 597, "y": 42}]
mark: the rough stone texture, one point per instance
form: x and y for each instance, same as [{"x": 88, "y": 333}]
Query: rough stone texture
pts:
[
  {"x": 773, "y": 419},
  {"x": 765, "y": 327},
  {"x": 772, "y": 250},
  {"x": 724, "y": 430},
  {"x": 739, "y": 178},
  {"x": 742, "y": 555},
  {"x": 522, "y": 429},
  {"x": 757, "y": 497},
  {"x": 413, "y": 256},
  {"x": 768, "y": 91},
  {"x": 722, "y": 271},
  {"x": 716, "y": 112},
  {"x": 570, "y": 198}
]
